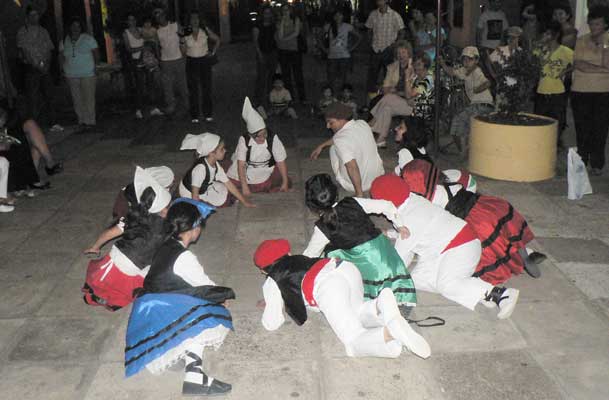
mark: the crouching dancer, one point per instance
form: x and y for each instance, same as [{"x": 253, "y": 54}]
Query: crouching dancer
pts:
[
  {"x": 180, "y": 310},
  {"x": 372, "y": 328},
  {"x": 448, "y": 249}
]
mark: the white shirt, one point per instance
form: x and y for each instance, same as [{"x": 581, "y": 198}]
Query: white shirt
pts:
[
  {"x": 216, "y": 192},
  {"x": 258, "y": 154},
  {"x": 199, "y": 174},
  {"x": 198, "y": 47},
  {"x": 385, "y": 28},
  {"x": 134, "y": 43},
  {"x": 169, "y": 42},
  {"x": 501, "y": 56},
  {"x": 188, "y": 267},
  {"x": 404, "y": 157},
  {"x": 492, "y": 24},
  {"x": 355, "y": 141},
  {"x": 319, "y": 241}
]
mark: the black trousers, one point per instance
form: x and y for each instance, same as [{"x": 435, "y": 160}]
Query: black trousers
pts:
[
  {"x": 553, "y": 106},
  {"x": 38, "y": 87},
  {"x": 199, "y": 78},
  {"x": 378, "y": 63},
  {"x": 591, "y": 126},
  {"x": 291, "y": 68}
]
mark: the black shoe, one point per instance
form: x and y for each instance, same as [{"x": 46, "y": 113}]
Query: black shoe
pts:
[
  {"x": 213, "y": 388},
  {"x": 55, "y": 169},
  {"x": 531, "y": 264},
  {"x": 40, "y": 186}
]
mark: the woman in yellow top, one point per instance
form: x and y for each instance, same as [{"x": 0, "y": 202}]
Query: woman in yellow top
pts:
[{"x": 590, "y": 90}]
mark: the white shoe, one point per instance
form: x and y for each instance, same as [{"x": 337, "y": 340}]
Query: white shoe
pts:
[
  {"x": 387, "y": 305},
  {"x": 138, "y": 114},
  {"x": 504, "y": 298},
  {"x": 156, "y": 111},
  {"x": 195, "y": 121},
  {"x": 6, "y": 208},
  {"x": 401, "y": 331},
  {"x": 57, "y": 128},
  {"x": 209, "y": 119}
]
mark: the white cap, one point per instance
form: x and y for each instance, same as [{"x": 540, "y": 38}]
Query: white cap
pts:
[
  {"x": 204, "y": 143},
  {"x": 470, "y": 51},
  {"x": 162, "y": 174},
  {"x": 253, "y": 120},
  {"x": 144, "y": 180}
]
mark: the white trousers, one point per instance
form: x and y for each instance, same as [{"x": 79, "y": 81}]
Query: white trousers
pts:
[
  {"x": 339, "y": 294},
  {"x": 450, "y": 274},
  {"x": 216, "y": 193},
  {"x": 4, "y": 165}
]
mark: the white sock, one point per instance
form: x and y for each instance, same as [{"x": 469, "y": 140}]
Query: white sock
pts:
[{"x": 194, "y": 365}]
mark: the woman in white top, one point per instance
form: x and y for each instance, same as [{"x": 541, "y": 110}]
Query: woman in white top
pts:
[
  {"x": 199, "y": 60},
  {"x": 339, "y": 49}
]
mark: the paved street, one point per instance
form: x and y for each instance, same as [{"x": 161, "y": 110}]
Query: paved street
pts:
[{"x": 54, "y": 347}]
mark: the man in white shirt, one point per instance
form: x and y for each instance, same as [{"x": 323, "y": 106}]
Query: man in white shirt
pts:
[
  {"x": 173, "y": 65},
  {"x": 491, "y": 25},
  {"x": 386, "y": 26},
  {"x": 353, "y": 152}
]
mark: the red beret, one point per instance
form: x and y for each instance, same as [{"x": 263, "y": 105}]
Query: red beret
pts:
[
  {"x": 422, "y": 177},
  {"x": 391, "y": 188},
  {"x": 270, "y": 251}
]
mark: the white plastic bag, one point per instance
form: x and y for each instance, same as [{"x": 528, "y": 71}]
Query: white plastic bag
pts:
[{"x": 577, "y": 176}]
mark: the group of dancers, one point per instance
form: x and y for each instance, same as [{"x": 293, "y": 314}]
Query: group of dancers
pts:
[{"x": 455, "y": 242}]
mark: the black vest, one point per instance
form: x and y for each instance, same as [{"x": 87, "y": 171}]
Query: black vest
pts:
[
  {"x": 268, "y": 163},
  {"x": 146, "y": 240},
  {"x": 187, "y": 180},
  {"x": 288, "y": 273},
  {"x": 461, "y": 203},
  {"x": 416, "y": 155},
  {"x": 354, "y": 226},
  {"x": 161, "y": 277}
]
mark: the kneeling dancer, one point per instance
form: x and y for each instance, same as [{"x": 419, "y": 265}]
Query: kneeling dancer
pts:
[
  {"x": 448, "y": 249},
  {"x": 372, "y": 328},
  {"x": 181, "y": 310}
]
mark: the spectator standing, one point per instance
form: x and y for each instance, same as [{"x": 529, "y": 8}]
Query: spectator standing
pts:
[
  {"x": 590, "y": 90},
  {"x": 290, "y": 57},
  {"x": 199, "y": 63},
  {"x": 489, "y": 31},
  {"x": 416, "y": 26},
  {"x": 556, "y": 64},
  {"x": 530, "y": 27},
  {"x": 35, "y": 48},
  {"x": 386, "y": 27},
  {"x": 339, "y": 49},
  {"x": 79, "y": 56},
  {"x": 173, "y": 65},
  {"x": 430, "y": 31},
  {"x": 500, "y": 56},
  {"x": 564, "y": 16},
  {"x": 263, "y": 35}
]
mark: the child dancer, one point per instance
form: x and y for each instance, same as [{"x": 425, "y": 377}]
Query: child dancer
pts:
[
  {"x": 111, "y": 280},
  {"x": 180, "y": 311},
  {"x": 206, "y": 180},
  {"x": 502, "y": 230},
  {"x": 258, "y": 164},
  {"x": 344, "y": 230},
  {"x": 447, "y": 248},
  {"x": 367, "y": 328}
]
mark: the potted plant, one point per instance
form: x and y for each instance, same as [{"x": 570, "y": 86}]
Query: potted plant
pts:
[{"x": 510, "y": 144}]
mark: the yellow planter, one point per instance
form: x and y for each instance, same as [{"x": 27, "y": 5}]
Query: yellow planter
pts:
[{"x": 513, "y": 152}]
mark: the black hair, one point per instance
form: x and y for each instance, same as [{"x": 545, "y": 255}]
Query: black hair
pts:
[
  {"x": 277, "y": 76},
  {"x": 599, "y": 12},
  {"x": 78, "y": 20},
  {"x": 347, "y": 86},
  {"x": 421, "y": 55},
  {"x": 333, "y": 24},
  {"x": 181, "y": 218},
  {"x": 416, "y": 134},
  {"x": 320, "y": 195},
  {"x": 138, "y": 219},
  {"x": 556, "y": 29},
  {"x": 565, "y": 6}
]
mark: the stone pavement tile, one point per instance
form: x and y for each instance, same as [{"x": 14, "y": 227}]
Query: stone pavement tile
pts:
[
  {"x": 562, "y": 325},
  {"x": 110, "y": 383},
  {"x": 35, "y": 381},
  {"x": 45, "y": 200},
  {"x": 113, "y": 349},
  {"x": 8, "y": 329},
  {"x": 59, "y": 239},
  {"x": 270, "y": 380},
  {"x": 25, "y": 219},
  {"x": 592, "y": 251},
  {"x": 70, "y": 184},
  {"x": 271, "y": 211},
  {"x": 212, "y": 254},
  {"x": 583, "y": 375},
  {"x": 552, "y": 286},
  {"x": 552, "y": 187},
  {"x": 592, "y": 279},
  {"x": 9, "y": 240},
  {"x": 255, "y": 232},
  {"x": 251, "y": 342},
  {"x": 42, "y": 265},
  {"x": 433, "y": 299},
  {"x": 407, "y": 377},
  {"x": 94, "y": 220},
  {"x": 493, "y": 375},
  {"x": 504, "y": 189},
  {"x": 539, "y": 212},
  {"x": 587, "y": 206},
  {"x": 73, "y": 339},
  {"x": 248, "y": 289},
  {"x": 602, "y": 304},
  {"x": 66, "y": 301},
  {"x": 21, "y": 298}
]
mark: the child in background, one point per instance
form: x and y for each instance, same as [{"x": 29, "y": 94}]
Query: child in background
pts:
[
  {"x": 346, "y": 97},
  {"x": 327, "y": 98},
  {"x": 280, "y": 99},
  {"x": 206, "y": 180}
]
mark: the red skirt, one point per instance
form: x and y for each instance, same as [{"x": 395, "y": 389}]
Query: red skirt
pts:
[
  {"x": 106, "y": 285},
  {"x": 502, "y": 232}
]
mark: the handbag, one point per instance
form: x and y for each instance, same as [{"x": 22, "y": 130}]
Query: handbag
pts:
[{"x": 577, "y": 176}]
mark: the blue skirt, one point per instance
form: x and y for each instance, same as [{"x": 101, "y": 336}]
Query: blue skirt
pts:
[{"x": 162, "y": 326}]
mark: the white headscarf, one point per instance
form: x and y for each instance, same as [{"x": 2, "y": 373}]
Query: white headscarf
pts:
[
  {"x": 162, "y": 174},
  {"x": 251, "y": 117},
  {"x": 204, "y": 143},
  {"x": 143, "y": 180}
]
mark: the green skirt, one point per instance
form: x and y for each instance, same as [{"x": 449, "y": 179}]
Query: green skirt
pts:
[{"x": 381, "y": 267}]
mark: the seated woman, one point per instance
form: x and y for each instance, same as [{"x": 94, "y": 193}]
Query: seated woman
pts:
[
  {"x": 111, "y": 280},
  {"x": 206, "y": 180},
  {"x": 180, "y": 310},
  {"x": 397, "y": 92},
  {"x": 258, "y": 164},
  {"x": 502, "y": 230},
  {"x": 372, "y": 328},
  {"x": 344, "y": 230}
]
